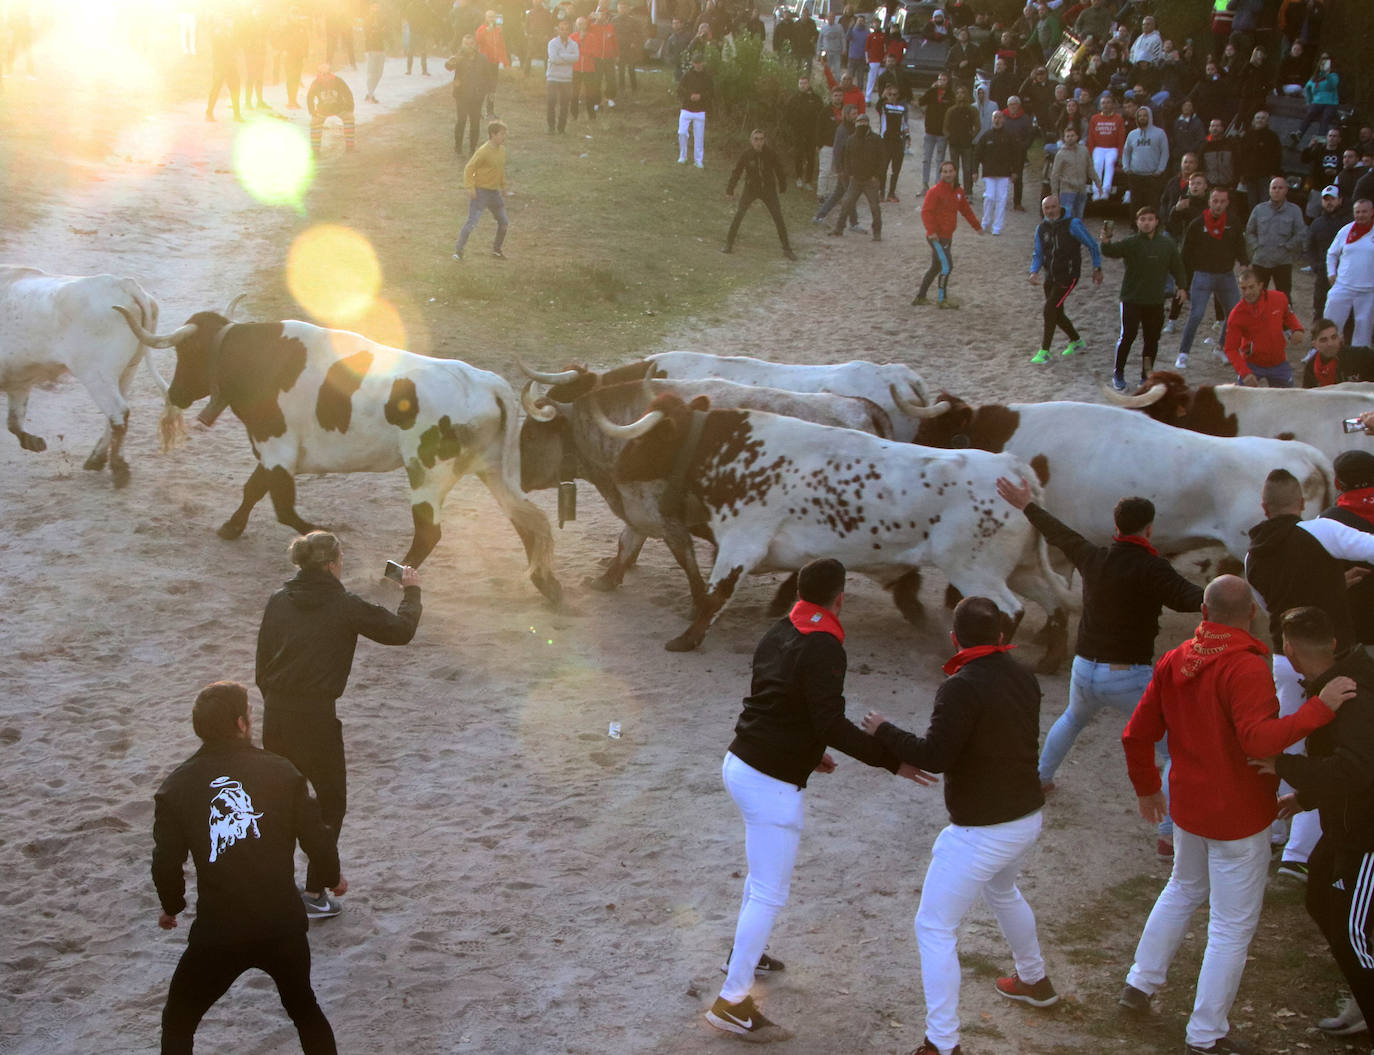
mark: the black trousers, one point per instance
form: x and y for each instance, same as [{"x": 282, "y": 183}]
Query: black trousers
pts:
[
  {"x": 1055, "y": 296},
  {"x": 805, "y": 157},
  {"x": 941, "y": 264},
  {"x": 560, "y": 95},
  {"x": 469, "y": 112},
  {"x": 769, "y": 197},
  {"x": 1136, "y": 318},
  {"x": 314, "y": 745},
  {"x": 1345, "y": 916},
  {"x": 224, "y": 75},
  {"x": 871, "y": 189},
  {"x": 896, "y": 151},
  {"x": 1281, "y": 276},
  {"x": 205, "y": 973},
  {"x": 625, "y": 69}
]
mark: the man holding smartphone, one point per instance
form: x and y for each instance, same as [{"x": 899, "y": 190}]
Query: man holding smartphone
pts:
[{"x": 305, "y": 654}]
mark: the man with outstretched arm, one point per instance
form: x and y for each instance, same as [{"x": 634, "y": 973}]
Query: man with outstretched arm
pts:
[
  {"x": 982, "y": 736},
  {"x": 1214, "y": 698},
  {"x": 795, "y": 710},
  {"x": 1125, "y": 586},
  {"x": 940, "y": 212}
]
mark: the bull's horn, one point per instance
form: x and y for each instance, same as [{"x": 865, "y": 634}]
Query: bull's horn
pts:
[
  {"x": 624, "y": 432},
  {"x": 153, "y": 340},
  {"x": 539, "y": 409},
  {"x": 1145, "y": 399},
  {"x": 561, "y": 378},
  {"x": 228, "y": 312},
  {"x": 915, "y": 410}
]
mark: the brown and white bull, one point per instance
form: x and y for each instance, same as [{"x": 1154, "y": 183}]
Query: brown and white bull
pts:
[
  {"x": 561, "y": 440},
  {"x": 777, "y": 492},
  {"x": 52, "y": 325},
  {"x": 1310, "y": 415},
  {"x": 315, "y": 400},
  {"x": 1206, "y": 489}
]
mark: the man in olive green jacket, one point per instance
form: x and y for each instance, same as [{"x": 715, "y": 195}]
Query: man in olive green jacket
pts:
[{"x": 1151, "y": 256}]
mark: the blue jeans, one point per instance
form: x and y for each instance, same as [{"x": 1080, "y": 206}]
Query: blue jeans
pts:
[
  {"x": 933, "y": 148},
  {"x": 1073, "y": 202},
  {"x": 1280, "y": 376},
  {"x": 485, "y": 199},
  {"x": 1093, "y": 686},
  {"x": 1205, "y": 285}
]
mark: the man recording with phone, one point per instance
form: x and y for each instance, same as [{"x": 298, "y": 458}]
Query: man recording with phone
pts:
[{"x": 305, "y": 654}]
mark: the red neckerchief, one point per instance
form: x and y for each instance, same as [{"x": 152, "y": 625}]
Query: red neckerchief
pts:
[
  {"x": 1327, "y": 371},
  {"x": 1214, "y": 225},
  {"x": 1359, "y": 501},
  {"x": 1137, "y": 540},
  {"x": 967, "y": 655},
  {"x": 1358, "y": 231},
  {"x": 810, "y": 618}
]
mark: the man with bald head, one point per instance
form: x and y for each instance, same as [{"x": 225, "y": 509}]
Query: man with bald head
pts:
[
  {"x": 1057, "y": 252},
  {"x": 1294, "y": 563},
  {"x": 1214, "y": 698}
]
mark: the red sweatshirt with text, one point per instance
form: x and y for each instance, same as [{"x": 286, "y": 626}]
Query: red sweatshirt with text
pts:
[
  {"x": 1106, "y": 131},
  {"x": 1214, "y": 696}
]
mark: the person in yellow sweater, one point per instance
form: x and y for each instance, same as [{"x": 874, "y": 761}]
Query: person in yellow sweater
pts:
[{"x": 484, "y": 178}]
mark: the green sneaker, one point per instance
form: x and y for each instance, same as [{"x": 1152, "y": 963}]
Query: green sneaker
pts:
[
  {"x": 1074, "y": 346},
  {"x": 920, "y": 302},
  {"x": 1042, "y": 356}
]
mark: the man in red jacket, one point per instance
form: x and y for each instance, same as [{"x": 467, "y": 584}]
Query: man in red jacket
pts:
[
  {"x": 1214, "y": 697},
  {"x": 1255, "y": 340},
  {"x": 940, "y": 211}
]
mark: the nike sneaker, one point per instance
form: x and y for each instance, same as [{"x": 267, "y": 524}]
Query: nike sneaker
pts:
[{"x": 745, "y": 1021}]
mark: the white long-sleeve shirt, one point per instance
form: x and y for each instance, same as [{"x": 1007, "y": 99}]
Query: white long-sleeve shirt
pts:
[
  {"x": 561, "y": 60},
  {"x": 1352, "y": 263}
]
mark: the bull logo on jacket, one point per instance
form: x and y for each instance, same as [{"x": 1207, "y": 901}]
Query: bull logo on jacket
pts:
[{"x": 231, "y": 816}]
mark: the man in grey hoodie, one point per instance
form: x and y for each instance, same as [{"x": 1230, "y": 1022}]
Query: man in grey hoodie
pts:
[{"x": 1145, "y": 159}]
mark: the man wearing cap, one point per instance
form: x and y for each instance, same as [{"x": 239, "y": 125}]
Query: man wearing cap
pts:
[
  {"x": 863, "y": 168},
  {"x": 694, "y": 93},
  {"x": 1321, "y": 232},
  {"x": 1350, "y": 270}
]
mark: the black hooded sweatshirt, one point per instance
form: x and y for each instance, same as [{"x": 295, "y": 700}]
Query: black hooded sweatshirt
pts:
[
  {"x": 1291, "y": 568},
  {"x": 239, "y": 811},
  {"x": 1336, "y": 775},
  {"x": 309, "y": 632}
]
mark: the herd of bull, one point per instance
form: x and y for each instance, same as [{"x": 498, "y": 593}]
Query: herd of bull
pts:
[{"x": 774, "y": 464}]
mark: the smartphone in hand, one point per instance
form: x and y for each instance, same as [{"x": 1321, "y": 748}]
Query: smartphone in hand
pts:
[{"x": 393, "y": 571}]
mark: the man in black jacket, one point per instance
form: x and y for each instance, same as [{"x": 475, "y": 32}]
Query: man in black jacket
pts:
[
  {"x": 1125, "y": 586},
  {"x": 1331, "y": 361},
  {"x": 1355, "y": 508},
  {"x": 1321, "y": 232},
  {"x": 794, "y": 711},
  {"x": 1336, "y": 778},
  {"x": 864, "y": 161},
  {"x": 802, "y": 115},
  {"x": 239, "y": 812},
  {"x": 1212, "y": 247},
  {"x": 305, "y": 653},
  {"x": 982, "y": 736},
  {"x": 1058, "y": 241},
  {"x": 764, "y": 180},
  {"x": 1294, "y": 563}
]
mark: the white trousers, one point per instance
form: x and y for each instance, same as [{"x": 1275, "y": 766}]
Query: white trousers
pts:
[
  {"x": 186, "y": 28},
  {"x": 773, "y": 812},
  {"x": 964, "y": 863},
  {"x": 1343, "y": 302},
  {"x": 874, "y": 68},
  {"x": 995, "y": 191},
  {"x": 691, "y": 123},
  {"x": 1230, "y": 876},
  {"x": 1104, "y": 164},
  {"x": 376, "y": 62},
  {"x": 1304, "y": 829}
]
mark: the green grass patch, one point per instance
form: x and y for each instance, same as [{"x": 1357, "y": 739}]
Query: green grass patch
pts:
[{"x": 612, "y": 244}]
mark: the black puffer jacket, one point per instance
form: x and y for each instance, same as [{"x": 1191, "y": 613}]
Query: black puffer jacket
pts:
[
  {"x": 1336, "y": 776},
  {"x": 309, "y": 632},
  {"x": 1291, "y": 568}
]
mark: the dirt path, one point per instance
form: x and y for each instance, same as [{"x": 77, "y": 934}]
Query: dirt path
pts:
[{"x": 521, "y": 882}]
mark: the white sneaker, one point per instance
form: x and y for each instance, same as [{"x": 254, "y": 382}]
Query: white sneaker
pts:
[
  {"x": 1181, "y": 363},
  {"x": 1348, "y": 1021},
  {"x": 1168, "y": 325}
]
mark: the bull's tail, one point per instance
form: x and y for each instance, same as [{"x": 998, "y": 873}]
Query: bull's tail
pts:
[
  {"x": 528, "y": 519},
  {"x": 171, "y": 426}
]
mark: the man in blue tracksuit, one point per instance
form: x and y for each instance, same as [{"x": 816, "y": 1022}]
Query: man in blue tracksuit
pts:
[{"x": 1057, "y": 251}]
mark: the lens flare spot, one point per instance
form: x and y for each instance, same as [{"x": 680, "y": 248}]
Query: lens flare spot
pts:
[
  {"x": 334, "y": 275},
  {"x": 272, "y": 160}
]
